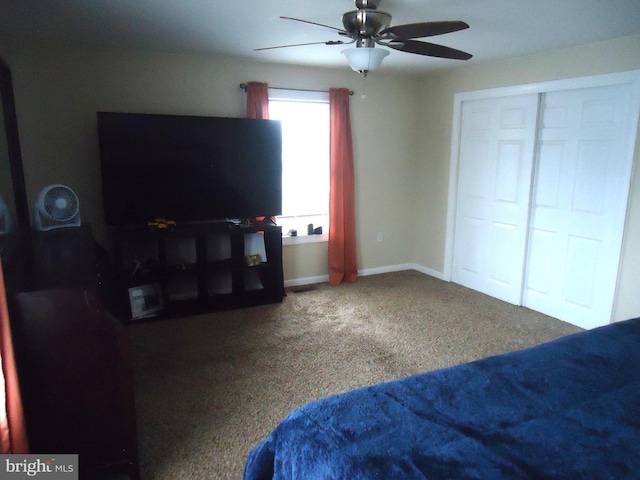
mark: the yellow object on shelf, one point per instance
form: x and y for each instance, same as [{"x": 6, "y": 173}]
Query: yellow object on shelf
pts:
[{"x": 161, "y": 223}]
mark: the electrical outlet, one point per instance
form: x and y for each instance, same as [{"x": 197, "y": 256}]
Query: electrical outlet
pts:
[{"x": 380, "y": 236}]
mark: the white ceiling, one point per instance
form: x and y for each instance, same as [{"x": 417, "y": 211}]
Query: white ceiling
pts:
[{"x": 499, "y": 28}]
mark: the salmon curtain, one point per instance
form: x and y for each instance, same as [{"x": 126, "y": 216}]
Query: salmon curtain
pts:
[
  {"x": 12, "y": 427},
  {"x": 258, "y": 108},
  {"x": 342, "y": 225},
  {"x": 258, "y": 100}
]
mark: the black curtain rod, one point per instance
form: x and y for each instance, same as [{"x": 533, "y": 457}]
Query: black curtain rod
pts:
[{"x": 243, "y": 86}]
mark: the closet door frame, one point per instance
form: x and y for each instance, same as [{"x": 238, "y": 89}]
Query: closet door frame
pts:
[{"x": 631, "y": 78}]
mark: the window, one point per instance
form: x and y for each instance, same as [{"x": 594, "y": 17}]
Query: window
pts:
[{"x": 305, "y": 158}]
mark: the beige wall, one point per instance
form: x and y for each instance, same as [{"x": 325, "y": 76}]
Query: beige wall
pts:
[
  {"x": 58, "y": 93},
  {"x": 436, "y": 100},
  {"x": 402, "y": 134}
]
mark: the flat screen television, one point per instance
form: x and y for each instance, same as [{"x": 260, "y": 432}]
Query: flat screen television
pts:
[{"x": 188, "y": 168}]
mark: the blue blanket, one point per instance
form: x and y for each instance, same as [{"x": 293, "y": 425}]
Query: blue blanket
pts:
[{"x": 568, "y": 409}]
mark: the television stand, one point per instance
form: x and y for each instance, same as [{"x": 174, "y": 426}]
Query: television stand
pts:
[{"x": 201, "y": 267}]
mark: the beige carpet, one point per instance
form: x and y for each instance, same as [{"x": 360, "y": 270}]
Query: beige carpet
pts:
[{"x": 209, "y": 388}]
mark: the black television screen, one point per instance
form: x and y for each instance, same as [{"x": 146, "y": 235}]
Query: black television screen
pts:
[{"x": 188, "y": 168}]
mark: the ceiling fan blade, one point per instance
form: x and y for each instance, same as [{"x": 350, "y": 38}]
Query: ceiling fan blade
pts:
[
  {"x": 330, "y": 42},
  {"x": 339, "y": 30},
  {"x": 428, "y": 49},
  {"x": 420, "y": 30}
]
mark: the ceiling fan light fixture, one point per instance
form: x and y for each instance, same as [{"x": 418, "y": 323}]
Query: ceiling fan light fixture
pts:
[{"x": 365, "y": 59}]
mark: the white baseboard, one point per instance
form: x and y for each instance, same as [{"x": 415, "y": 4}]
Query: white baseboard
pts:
[
  {"x": 387, "y": 269},
  {"x": 295, "y": 282},
  {"x": 429, "y": 271}
]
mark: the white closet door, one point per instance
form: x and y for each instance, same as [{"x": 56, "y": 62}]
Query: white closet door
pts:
[
  {"x": 494, "y": 189},
  {"x": 580, "y": 192}
]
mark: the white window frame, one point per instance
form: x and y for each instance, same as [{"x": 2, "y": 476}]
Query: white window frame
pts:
[{"x": 306, "y": 96}]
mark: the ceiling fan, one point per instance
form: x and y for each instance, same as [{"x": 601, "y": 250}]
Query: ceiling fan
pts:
[{"x": 368, "y": 26}]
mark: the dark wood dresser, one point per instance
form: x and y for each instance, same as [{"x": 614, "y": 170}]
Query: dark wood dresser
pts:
[{"x": 73, "y": 354}]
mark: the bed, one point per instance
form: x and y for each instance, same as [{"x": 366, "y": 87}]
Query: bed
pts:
[{"x": 567, "y": 409}]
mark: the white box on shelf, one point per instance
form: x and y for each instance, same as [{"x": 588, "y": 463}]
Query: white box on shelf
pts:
[
  {"x": 145, "y": 300},
  {"x": 254, "y": 244}
]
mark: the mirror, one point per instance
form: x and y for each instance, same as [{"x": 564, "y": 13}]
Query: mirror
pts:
[{"x": 14, "y": 210}]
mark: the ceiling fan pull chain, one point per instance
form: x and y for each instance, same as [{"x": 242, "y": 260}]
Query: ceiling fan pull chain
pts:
[{"x": 364, "y": 79}]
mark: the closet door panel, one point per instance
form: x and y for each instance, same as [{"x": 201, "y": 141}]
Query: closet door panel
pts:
[
  {"x": 579, "y": 200},
  {"x": 494, "y": 181}
]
